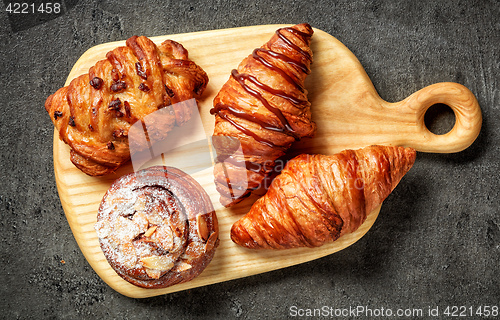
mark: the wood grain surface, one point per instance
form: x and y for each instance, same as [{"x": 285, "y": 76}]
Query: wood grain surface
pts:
[{"x": 349, "y": 114}]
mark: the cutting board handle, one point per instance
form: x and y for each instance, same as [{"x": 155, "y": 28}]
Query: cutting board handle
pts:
[{"x": 461, "y": 100}]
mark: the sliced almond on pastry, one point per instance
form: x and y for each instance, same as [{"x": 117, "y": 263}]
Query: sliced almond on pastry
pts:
[
  {"x": 165, "y": 237},
  {"x": 161, "y": 263},
  {"x": 150, "y": 231},
  {"x": 211, "y": 242},
  {"x": 182, "y": 266},
  {"x": 102, "y": 228},
  {"x": 154, "y": 218},
  {"x": 125, "y": 229},
  {"x": 140, "y": 203},
  {"x": 141, "y": 220},
  {"x": 154, "y": 274},
  {"x": 202, "y": 227},
  {"x": 128, "y": 255}
]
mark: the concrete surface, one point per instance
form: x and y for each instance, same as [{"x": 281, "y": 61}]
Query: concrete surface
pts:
[{"x": 435, "y": 244}]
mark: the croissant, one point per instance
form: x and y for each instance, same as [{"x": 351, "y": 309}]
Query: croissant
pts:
[
  {"x": 260, "y": 111},
  {"x": 318, "y": 198},
  {"x": 94, "y": 113},
  {"x": 157, "y": 227}
]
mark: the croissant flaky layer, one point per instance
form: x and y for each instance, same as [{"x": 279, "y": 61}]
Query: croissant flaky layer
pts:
[
  {"x": 318, "y": 198},
  {"x": 94, "y": 113},
  {"x": 260, "y": 111}
]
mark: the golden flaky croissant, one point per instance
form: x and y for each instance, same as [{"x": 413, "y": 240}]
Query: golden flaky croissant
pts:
[
  {"x": 318, "y": 198},
  {"x": 260, "y": 111},
  {"x": 94, "y": 113}
]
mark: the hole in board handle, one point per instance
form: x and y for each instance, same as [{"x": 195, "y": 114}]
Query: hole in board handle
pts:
[{"x": 439, "y": 118}]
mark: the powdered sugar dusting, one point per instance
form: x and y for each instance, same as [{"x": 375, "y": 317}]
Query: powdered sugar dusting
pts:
[{"x": 149, "y": 227}]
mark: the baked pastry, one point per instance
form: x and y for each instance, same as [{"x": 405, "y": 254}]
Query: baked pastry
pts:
[
  {"x": 94, "y": 113},
  {"x": 318, "y": 198},
  {"x": 260, "y": 111},
  {"x": 157, "y": 227}
]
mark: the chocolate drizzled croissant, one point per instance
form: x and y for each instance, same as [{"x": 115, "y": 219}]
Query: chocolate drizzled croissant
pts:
[
  {"x": 260, "y": 111},
  {"x": 317, "y": 198},
  {"x": 94, "y": 113}
]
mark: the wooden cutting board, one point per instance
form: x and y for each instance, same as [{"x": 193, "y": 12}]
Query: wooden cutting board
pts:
[{"x": 349, "y": 114}]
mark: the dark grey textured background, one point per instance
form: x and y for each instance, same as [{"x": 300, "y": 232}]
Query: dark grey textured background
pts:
[{"x": 435, "y": 243}]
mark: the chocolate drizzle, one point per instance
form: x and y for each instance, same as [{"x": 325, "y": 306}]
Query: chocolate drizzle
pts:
[
  {"x": 242, "y": 78},
  {"x": 297, "y": 33},
  {"x": 249, "y": 165},
  {"x": 276, "y": 55},
  {"x": 223, "y": 111}
]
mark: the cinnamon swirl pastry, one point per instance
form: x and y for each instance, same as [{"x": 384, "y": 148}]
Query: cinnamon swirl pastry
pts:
[{"x": 157, "y": 227}]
